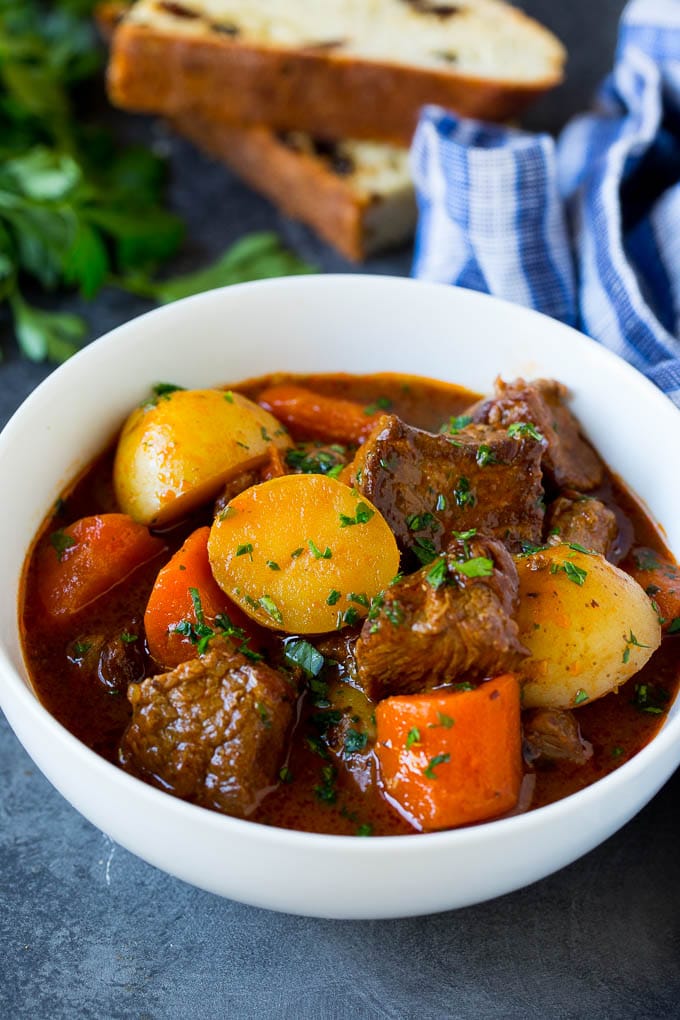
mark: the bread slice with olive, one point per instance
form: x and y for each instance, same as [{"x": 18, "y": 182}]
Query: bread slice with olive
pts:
[
  {"x": 337, "y": 69},
  {"x": 356, "y": 195}
]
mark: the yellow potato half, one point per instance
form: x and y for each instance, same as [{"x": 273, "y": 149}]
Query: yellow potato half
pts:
[
  {"x": 176, "y": 452},
  {"x": 588, "y": 625},
  {"x": 302, "y": 553}
]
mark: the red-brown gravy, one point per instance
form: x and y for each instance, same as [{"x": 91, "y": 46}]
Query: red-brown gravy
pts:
[{"x": 95, "y": 714}]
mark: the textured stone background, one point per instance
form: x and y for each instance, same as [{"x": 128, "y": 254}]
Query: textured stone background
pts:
[{"x": 88, "y": 931}]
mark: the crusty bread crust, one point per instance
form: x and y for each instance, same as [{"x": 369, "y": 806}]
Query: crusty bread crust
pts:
[
  {"x": 326, "y": 94},
  {"x": 302, "y": 186}
]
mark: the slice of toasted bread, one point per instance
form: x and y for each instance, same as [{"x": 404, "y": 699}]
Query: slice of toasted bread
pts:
[
  {"x": 337, "y": 69},
  {"x": 358, "y": 196}
]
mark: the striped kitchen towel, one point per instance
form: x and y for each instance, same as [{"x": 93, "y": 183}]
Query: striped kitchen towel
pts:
[{"x": 586, "y": 229}]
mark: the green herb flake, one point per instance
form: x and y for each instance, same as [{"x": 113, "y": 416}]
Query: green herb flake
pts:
[
  {"x": 362, "y": 515},
  {"x": 333, "y": 597},
  {"x": 445, "y": 720},
  {"x": 127, "y": 638},
  {"x": 263, "y": 713},
  {"x": 381, "y": 404},
  {"x": 297, "y": 552},
  {"x": 674, "y": 626},
  {"x": 631, "y": 642},
  {"x": 245, "y": 550},
  {"x": 361, "y": 599},
  {"x": 412, "y": 737},
  {"x": 439, "y": 759},
  {"x": 485, "y": 456},
  {"x": 271, "y": 609},
  {"x": 273, "y": 565},
  {"x": 650, "y": 698},
  {"x": 326, "y": 790},
  {"x": 438, "y": 574},
  {"x": 350, "y": 616},
  {"x": 424, "y": 550},
  {"x": 581, "y": 697},
  {"x": 478, "y": 566},
  {"x": 285, "y": 775},
  {"x": 300, "y": 653},
  {"x": 60, "y": 542},
  {"x": 523, "y": 430},
  {"x": 365, "y": 829},
  {"x": 463, "y": 495},
  {"x": 617, "y": 752},
  {"x": 229, "y": 397},
  {"x": 355, "y": 741},
  {"x": 316, "y": 552},
  {"x": 455, "y": 424}
]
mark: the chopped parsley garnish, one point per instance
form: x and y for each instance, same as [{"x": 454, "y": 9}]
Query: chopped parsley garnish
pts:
[
  {"x": 365, "y": 829},
  {"x": 229, "y": 397},
  {"x": 674, "y": 626},
  {"x": 631, "y": 642},
  {"x": 361, "y": 599},
  {"x": 650, "y": 699},
  {"x": 285, "y": 775},
  {"x": 485, "y": 456},
  {"x": 326, "y": 791},
  {"x": 127, "y": 638},
  {"x": 297, "y": 552},
  {"x": 478, "y": 566},
  {"x": 395, "y": 614},
  {"x": 355, "y": 741},
  {"x": 443, "y": 720},
  {"x": 646, "y": 559},
  {"x": 161, "y": 391},
  {"x": 418, "y": 522},
  {"x": 412, "y": 737},
  {"x": 333, "y": 597},
  {"x": 316, "y": 552},
  {"x": 265, "y": 435},
  {"x": 580, "y": 697},
  {"x": 617, "y": 752},
  {"x": 301, "y": 653},
  {"x": 60, "y": 542},
  {"x": 439, "y": 759},
  {"x": 575, "y": 574},
  {"x": 321, "y": 461},
  {"x": 273, "y": 565},
  {"x": 425, "y": 550},
  {"x": 263, "y": 713},
  {"x": 438, "y": 574},
  {"x": 381, "y": 404},
  {"x": 81, "y": 648},
  {"x": 463, "y": 495},
  {"x": 577, "y": 547},
  {"x": 350, "y": 616},
  {"x": 362, "y": 515},
  {"x": 245, "y": 550},
  {"x": 455, "y": 424},
  {"x": 200, "y": 633},
  {"x": 271, "y": 609},
  {"x": 524, "y": 429}
]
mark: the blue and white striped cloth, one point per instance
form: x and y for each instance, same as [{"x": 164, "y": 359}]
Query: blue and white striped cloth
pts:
[{"x": 586, "y": 229}]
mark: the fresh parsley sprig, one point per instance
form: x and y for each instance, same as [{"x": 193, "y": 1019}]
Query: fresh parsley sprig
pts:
[{"x": 76, "y": 209}]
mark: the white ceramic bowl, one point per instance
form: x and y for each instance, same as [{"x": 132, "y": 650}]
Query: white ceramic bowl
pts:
[{"x": 354, "y": 324}]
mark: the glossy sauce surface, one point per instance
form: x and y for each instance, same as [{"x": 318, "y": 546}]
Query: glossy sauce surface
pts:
[{"x": 320, "y": 791}]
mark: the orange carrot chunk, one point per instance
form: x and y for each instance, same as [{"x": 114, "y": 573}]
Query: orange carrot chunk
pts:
[
  {"x": 311, "y": 415},
  {"x": 81, "y": 562},
  {"x": 660, "y": 578},
  {"x": 450, "y": 758},
  {"x": 184, "y": 604}
]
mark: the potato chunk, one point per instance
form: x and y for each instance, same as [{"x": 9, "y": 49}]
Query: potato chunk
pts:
[
  {"x": 302, "y": 553},
  {"x": 588, "y": 625},
  {"x": 177, "y": 451}
]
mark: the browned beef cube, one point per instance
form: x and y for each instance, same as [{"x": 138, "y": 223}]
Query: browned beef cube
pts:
[
  {"x": 212, "y": 730},
  {"x": 450, "y": 621},
  {"x": 553, "y": 734},
  {"x": 569, "y": 459},
  {"x": 427, "y": 486},
  {"x": 587, "y": 522}
]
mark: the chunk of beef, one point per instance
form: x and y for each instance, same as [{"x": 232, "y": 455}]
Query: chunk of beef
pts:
[
  {"x": 212, "y": 730},
  {"x": 451, "y": 620},
  {"x": 553, "y": 734},
  {"x": 569, "y": 459},
  {"x": 113, "y": 660},
  {"x": 587, "y": 522},
  {"x": 427, "y": 486}
]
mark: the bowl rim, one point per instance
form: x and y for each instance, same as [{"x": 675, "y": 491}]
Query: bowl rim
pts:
[{"x": 659, "y": 745}]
